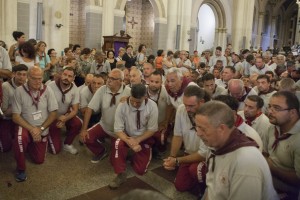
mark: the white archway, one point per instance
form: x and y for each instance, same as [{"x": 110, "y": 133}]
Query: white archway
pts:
[
  {"x": 158, "y": 7},
  {"x": 222, "y": 12}
]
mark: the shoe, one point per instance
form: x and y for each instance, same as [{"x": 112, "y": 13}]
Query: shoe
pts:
[
  {"x": 99, "y": 157},
  {"x": 21, "y": 176},
  {"x": 121, "y": 178},
  {"x": 70, "y": 148}
]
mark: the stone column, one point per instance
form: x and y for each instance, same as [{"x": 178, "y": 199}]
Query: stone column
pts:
[
  {"x": 108, "y": 18},
  {"x": 242, "y": 24},
  {"x": 217, "y": 37},
  {"x": 259, "y": 29},
  {"x": 297, "y": 36},
  {"x": 172, "y": 23},
  {"x": 94, "y": 27},
  {"x": 185, "y": 22},
  {"x": 272, "y": 32},
  {"x": 159, "y": 36},
  {"x": 8, "y": 21},
  {"x": 223, "y": 38},
  {"x": 118, "y": 19}
]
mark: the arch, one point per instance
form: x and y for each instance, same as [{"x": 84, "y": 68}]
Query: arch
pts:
[
  {"x": 222, "y": 20},
  {"x": 158, "y": 7}
]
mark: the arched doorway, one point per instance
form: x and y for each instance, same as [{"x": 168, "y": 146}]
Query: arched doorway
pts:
[
  {"x": 206, "y": 28},
  {"x": 223, "y": 22}
]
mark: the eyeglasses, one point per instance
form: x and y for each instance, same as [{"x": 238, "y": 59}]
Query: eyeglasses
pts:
[
  {"x": 112, "y": 78},
  {"x": 275, "y": 108}
]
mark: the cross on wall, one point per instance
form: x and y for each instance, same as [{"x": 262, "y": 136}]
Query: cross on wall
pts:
[{"x": 132, "y": 22}]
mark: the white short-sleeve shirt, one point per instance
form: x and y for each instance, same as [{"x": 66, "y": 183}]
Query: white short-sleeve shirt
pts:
[
  {"x": 126, "y": 118},
  {"x": 71, "y": 98}
]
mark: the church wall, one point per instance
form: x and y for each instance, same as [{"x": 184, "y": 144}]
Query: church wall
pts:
[
  {"x": 118, "y": 25},
  {"x": 93, "y": 30},
  {"x": 159, "y": 37},
  {"x": 23, "y": 18},
  {"x": 147, "y": 24},
  {"x": 142, "y": 32},
  {"x": 77, "y": 22}
]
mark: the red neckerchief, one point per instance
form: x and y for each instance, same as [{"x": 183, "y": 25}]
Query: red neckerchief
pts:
[
  {"x": 63, "y": 92},
  {"x": 271, "y": 89},
  {"x": 36, "y": 100},
  {"x": 184, "y": 84},
  {"x": 239, "y": 120},
  {"x": 193, "y": 123},
  {"x": 242, "y": 99},
  {"x": 148, "y": 95},
  {"x": 90, "y": 88},
  {"x": 138, "y": 114},
  {"x": 113, "y": 98},
  {"x": 249, "y": 120},
  {"x": 11, "y": 83},
  {"x": 279, "y": 138},
  {"x": 235, "y": 141},
  {"x": 271, "y": 62}
]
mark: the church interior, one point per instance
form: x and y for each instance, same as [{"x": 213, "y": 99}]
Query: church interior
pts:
[{"x": 201, "y": 25}]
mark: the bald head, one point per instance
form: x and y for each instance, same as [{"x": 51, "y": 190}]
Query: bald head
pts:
[
  {"x": 88, "y": 79},
  {"x": 35, "y": 70},
  {"x": 236, "y": 88}
]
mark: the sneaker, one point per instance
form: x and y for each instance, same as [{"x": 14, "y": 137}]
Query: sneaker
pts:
[
  {"x": 121, "y": 178},
  {"x": 21, "y": 176},
  {"x": 99, "y": 157},
  {"x": 70, "y": 148}
]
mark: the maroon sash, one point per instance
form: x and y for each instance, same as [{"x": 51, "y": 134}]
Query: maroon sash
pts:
[
  {"x": 63, "y": 92},
  {"x": 36, "y": 100},
  {"x": 184, "y": 84}
]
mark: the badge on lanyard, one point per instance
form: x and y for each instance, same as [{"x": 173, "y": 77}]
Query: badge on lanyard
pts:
[{"x": 37, "y": 115}]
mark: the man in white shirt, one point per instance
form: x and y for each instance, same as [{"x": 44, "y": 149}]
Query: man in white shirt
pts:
[
  {"x": 237, "y": 89},
  {"x": 183, "y": 63},
  {"x": 236, "y": 169},
  {"x": 264, "y": 90},
  {"x": 210, "y": 86},
  {"x": 282, "y": 142},
  {"x": 135, "y": 124},
  {"x": 218, "y": 56},
  {"x": 227, "y": 74},
  {"x": 175, "y": 85},
  {"x": 67, "y": 97},
  {"x": 260, "y": 67},
  {"x": 5, "y": 64},
  {"x": 185, "y": 133},
  {"x": 105, "y": 100},
  {"x": 253, "y": 115},
  {"x": 8, "y": 88}
]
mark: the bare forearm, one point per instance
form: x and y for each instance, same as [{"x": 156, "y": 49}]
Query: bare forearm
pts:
[
  {"x": 145, "y": 136},
  {"x": 51, "y": 117},
  {"x": 123, "y": 137},
  {"x": 4, "y": 73},
  {"x": 192, "y": 158},
  {"x": 86, "y": 118},
  {"x": 289, "y": 177},
  {"x": 21, "y": 122},
  {"x": 176, "y": 144}
]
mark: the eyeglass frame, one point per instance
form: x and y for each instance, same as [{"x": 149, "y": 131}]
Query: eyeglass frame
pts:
[{"x": 277, "y": 109}]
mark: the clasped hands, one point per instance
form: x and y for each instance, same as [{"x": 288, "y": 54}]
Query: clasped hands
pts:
[
  {"x": 169, "y": 163},
  {"x": 134, "y": 144}
]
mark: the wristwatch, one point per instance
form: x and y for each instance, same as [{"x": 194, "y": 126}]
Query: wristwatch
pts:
[{"x": 42, "y": 128}]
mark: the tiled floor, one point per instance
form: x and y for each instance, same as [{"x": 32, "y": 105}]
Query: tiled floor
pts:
[{"x": 65, "y": 176}]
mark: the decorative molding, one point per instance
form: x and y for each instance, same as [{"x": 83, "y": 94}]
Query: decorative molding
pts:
[
  {"x": 93, "y": 9},
  {"x": 25, "y": 1},
  {"x": 119, "y": 13},
  {"x": 160, "y": 20}
]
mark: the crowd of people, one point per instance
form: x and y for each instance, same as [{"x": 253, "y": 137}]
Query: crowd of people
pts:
[{"x": 232, "y": 118}]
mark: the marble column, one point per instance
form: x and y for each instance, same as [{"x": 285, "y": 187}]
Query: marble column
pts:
[
  {"x": 118, "y": 19},
  {"x": 8, "y": 20},
  {"x": 108, "y": 18},
  {"x": 223, "y": 42},
  {"x": 159, "y": 36},
  {"x": 216, "y": 41},
  {"x": 185, "y": 23},
  {"x": 259, "y": 29},
  {"x": 172, "y": 24},
  {"x": 297, "y": 36},
  {"x": 94, "y": 27},
  {"x": 272, "y": 32},
  {"x": 242, "y": 24}
]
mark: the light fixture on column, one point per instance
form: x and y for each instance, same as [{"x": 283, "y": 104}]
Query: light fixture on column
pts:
[{"x": 58, "y": 25}]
